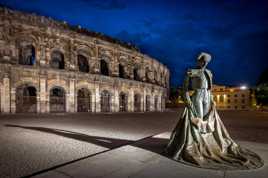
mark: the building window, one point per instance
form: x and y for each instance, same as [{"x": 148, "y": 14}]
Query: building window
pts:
[
  {"x": 235, "y": 95},
  {"x": 156, "y": 103},
  {"x": 135, "y": 73},
  {"x": 57, "y": 60},
  {"x": 229, "y": 101},
  {"x": 221, "y": 98},
  {"x": 137, "y": 103},
  {"x": 123, "y": 100},
  {"x": 27, "y": 55},
  {"x": 147, "y": 71},
  {"x": 57, "y": 100},
  {"x": 105, "y": 101},
  {"x": 243, "y": 95},
  {"x": 104, "y": 67},
  {"x": 82, "y": 63},
  {"x": 148, "y": 103},
  {"x": 121, "y": 71},
  {"x": 26, "y": 99},
  {"x": 83, "y": 100}
]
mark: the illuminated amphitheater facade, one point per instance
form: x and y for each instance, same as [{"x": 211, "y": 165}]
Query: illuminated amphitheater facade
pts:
[{"x": 50, "y": 66}]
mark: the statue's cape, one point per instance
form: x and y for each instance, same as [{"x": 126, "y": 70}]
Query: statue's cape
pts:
[{"x": 209, "y": 145}]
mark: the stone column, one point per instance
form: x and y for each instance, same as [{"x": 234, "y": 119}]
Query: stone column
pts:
[
  {"x": 71, "y": 97},
  {"x": 144, "y": 100},
  {"x": 5, "y": 98},
  {"x": 13, "y": 100},
  {"x": 92, "y": 102},
  {"x": 43, "y": 95},
  {"x": 115, "y": 101},
  {"x": 131, "y": 101},
  {"x": 97, "y": 99}
]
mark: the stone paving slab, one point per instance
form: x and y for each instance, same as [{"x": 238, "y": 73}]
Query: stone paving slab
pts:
[{"x": 133, "y": 161}]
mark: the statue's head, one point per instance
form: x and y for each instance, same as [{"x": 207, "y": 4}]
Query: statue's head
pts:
[{"x": 203, "y": 59}]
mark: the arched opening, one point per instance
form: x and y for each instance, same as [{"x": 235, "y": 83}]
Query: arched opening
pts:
[
  {"x": 121, "y": 71},
  {"x": 105, "y": 101},
  {"x": 104, "y": 67},
  {"x": 57, "y": 60},
  {"x": 57, "y": 100},
  {"x": 82, "y": 63},
  {"x": 148, "y": 103},
  {"x": 26, "y": 100},
  {"x": 147, "y": 71},
  {"x": 123, "y": 100},
  {"x": 135, "y": 73},
  {"x": 27, "y": 55},
  {"x": 83, "y": 100},
  {"x": 156, "y": 103},
  {"x": 137, "y": 103},
  {"x": 163, "y": 103},
  {"x": 155, "y": 77}
]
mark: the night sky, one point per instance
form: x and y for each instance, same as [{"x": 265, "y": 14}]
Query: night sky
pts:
[{"x": 235, "y": 32}]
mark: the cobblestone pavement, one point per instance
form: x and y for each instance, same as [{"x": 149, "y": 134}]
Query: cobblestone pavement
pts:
[{"x": 33, "y": 144}]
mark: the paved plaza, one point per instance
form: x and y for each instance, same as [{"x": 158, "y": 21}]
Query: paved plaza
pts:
[{"x": 113, "y": 145}]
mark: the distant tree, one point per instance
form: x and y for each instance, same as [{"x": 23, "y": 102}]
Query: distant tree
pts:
[{"x": 261, "y": 91}]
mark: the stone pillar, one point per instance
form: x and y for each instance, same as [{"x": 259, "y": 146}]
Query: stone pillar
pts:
[
  {"x": 93, "y": 103},
  {"x": 144, "y": 100},
  {"x": 43, "y": 95},
  {"x": 97, "y": 99},
  {"x": 131, "y": 101},
  {"x": 13, "y": 100},
  {"x": 5, "y": 95},
  {"x": 71, "y": 96},
  {"x": 115, "y": 101}
]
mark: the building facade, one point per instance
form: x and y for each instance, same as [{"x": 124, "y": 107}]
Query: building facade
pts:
[
  {"x": 50, "y": 66},
  {"x": 232, "y": 98}
]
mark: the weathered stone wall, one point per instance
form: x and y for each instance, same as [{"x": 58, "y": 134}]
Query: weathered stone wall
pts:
[{"x": 46, "y": 36}]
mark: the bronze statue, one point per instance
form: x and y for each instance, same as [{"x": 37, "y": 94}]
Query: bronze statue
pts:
[{"x": 200, "y": 138}]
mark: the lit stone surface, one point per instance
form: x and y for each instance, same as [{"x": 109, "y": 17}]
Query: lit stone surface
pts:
[{"x": 38, "y": 54}]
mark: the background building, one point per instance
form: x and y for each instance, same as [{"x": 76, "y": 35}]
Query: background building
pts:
[
  {"x": 49, "y": 66},
  {"x": 233, "y": 98}
]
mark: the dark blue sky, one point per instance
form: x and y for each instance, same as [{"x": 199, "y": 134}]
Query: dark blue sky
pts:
[{"x": 235, "y": 32}]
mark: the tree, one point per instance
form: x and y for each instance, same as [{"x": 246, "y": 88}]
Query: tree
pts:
[{"x": 261, "y": 91}]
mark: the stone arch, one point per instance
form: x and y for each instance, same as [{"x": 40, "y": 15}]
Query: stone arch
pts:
[
  {"x": 105, "y": 101},
  {"x": 156, "y": 103},
  {"x": 122, "y": 71},
  {"x": 57, "y": 60},
  {"x": 83, "y": 64},
  {"x": 147, "y": 74},
  {"x": 26, "y": 99},
  {"x": 27, "y": 54},
  {"x": 57, "y": 99},
  {"x": 104, "y": 67},
  {"x": 136, "y": 75},
  {"x": 123, "y": 102},
  {"x": 84, "y": 100},
  {"x": 86, "y": 50},
  {"x": 137, "y": 102}
]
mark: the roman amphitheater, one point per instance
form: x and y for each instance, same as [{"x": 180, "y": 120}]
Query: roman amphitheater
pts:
[{"x": 50, "y": 66}]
